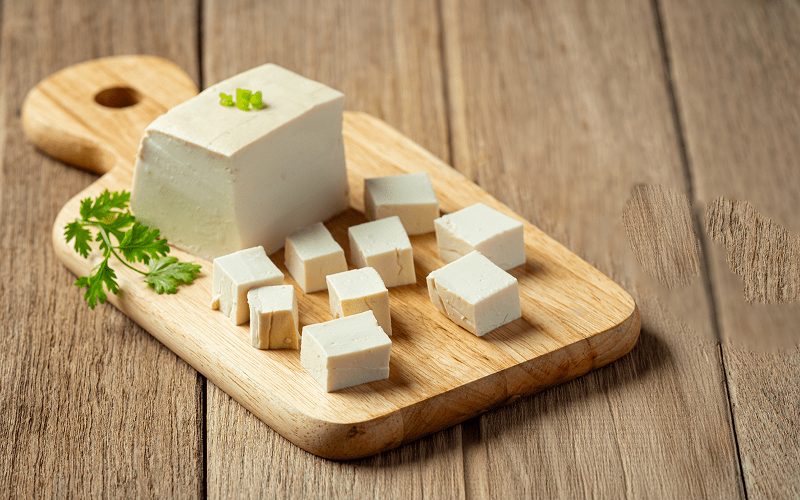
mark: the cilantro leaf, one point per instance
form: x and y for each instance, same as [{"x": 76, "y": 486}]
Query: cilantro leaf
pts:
[
  {"x": 167, "y": 273},
  {"x": 101, "y": 208},
  {"x": 108, "y": 214},
  {"x": 82, "y": 237},
  {"x": 114, "y": 226},
  {"x": 141, "y": 244},
  {"x": 95, "y": 281}
]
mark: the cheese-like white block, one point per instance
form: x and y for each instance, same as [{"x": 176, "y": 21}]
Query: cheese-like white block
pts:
[
  {"x": 273, "y": 317},
  {"x": 235, "y": 274},
  {"x": 345, "y": 352},
  {"x": 359, "y": 290},
  {"x": 475, "y": 293},
  {"x": 409, "y": 196},
  {"x": 216, "y": 179},
  {"x": 478, "y": 227},
  {"x": 311, "y": 254},
  {"x": 384, "y": 245}
]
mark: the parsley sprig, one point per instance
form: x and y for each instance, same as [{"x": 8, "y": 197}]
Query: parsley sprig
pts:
[{"x": 110, "y": 217}]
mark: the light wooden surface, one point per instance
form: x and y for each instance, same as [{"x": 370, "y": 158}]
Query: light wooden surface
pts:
[
  {"x": 700, "y": 98},
  {"x": 574, "y": 319}
]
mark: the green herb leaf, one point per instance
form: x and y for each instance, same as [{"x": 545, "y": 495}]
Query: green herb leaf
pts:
[
  {"x": 167, "y": 273},
  {"x": 141, "y": 244},
  {"x": 108, "y": 214},
  {"x": 103, "y": 275},
  {"x": 82, "y": 237},
  {"x": 103, "y": 205}
]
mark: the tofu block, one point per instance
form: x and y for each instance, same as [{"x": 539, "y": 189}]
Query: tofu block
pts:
[
  {"x": 357, "y": 291},
  {"x": 311, "y": 254},
  {"x": 409, "y": 196},
  {"x": 235, "y": 274},
  {"x": 273, "y": 317},
  {"x": 497, "y": 236},
  {"x": 217, "y": 179},
  {"x": 346, "y": 352},
  {"x": 384, "y": 245},
  {"x": 475, "y": 293}
]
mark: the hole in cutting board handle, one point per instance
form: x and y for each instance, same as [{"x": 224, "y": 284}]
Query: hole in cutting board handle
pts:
[{"x": 118, "y": 97}]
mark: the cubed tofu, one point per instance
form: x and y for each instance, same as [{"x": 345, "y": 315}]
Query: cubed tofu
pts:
[
  {"x": 345, "y": 352},
  {"x": 409, "y": 196},
  {"x": 478, "y": 227},
  {"x": 384, "y": 245},
  {"x": 216, "y": 179},
  {"x": 273, "y": 317},
  {"x": 311, "y": 254},
  {"x": 475, "y": 293},
  {"x": 359, "y": 290},
  {"x": 235, "y": 274}
]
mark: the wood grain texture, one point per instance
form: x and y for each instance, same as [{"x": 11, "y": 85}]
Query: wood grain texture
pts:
[
  {"x": 91, "y": 406},
  {"x": 736, "y": 67},
  {"x": 765, "y": 255},
  {"x": 574, "y": 319},
  {"x": 658, "y": 222},
  {"x": 385, "y": 57},
  {"x": 559, "y": 109}
]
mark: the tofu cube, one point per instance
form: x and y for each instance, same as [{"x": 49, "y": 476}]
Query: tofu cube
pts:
[
  {"x": 384, "y": 245},
  {"x": 273, "y": 317},
  {"x": 346, "y": 352},
  {"x": 497, "y": 236},
  {"x": 409, "y": 196},
  {"x": 235, "y": 274},
  {"x": 216, "y": 179},
  {"x": 357, "y": 291},
  {"x": 475, "y": 293},
  {"x": 311, "y": 254}
]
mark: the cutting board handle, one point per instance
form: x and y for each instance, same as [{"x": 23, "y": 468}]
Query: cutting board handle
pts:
[{"x": 92, "y": 115}]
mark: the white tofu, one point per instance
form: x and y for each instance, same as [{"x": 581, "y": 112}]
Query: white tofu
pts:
[
  {"x": 273, "y": 317},
  {"x": 311, "y": 254},
  {"x": 235, "y": 274},
  {"x": 478, "y": 227},
  {"x": 475, "y": 293},
  {"x": 409, "y": 196},
  {"x": 359, "y": 290},
  {"x": 346, "y": 352},
  {"x": 384, "y": 245},
  {"x": 216, "y": 179}
]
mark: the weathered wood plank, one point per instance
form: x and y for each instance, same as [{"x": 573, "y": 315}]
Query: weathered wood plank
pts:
[
  {"x": 385, "y": 57},
  {"x": 90, "y": 404},
  {"x": 559, "y": 109},
  {"x": 736, "y": 72}
]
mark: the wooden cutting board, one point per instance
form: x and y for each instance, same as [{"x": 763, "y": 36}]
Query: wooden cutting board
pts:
[{"x": 575, "y": 319}]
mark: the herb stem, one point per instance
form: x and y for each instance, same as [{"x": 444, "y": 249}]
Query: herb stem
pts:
[{"x": 111, "y": 249}]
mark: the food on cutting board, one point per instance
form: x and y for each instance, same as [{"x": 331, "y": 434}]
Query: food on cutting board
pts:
[
  {"x": 475, "y": 293},
  {"x": 235, "y": 274},
  {"x": 409, "y": 196},
  {"x": 216, "y": 179},
  {"x": 345, "y": 352},
  {"x": 273, "y": 317},
  {"x": 360, "y": 290},
  {"x": 384, "y": 245},
  {"x": 107, "y": 216},
  {"x": 311, "y": 254},
  {"x": 236, "y": 186},
  {"x": 478, "y": 227}
]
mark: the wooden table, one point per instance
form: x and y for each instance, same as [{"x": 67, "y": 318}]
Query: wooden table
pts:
[{"x": 558, "y": 109}]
